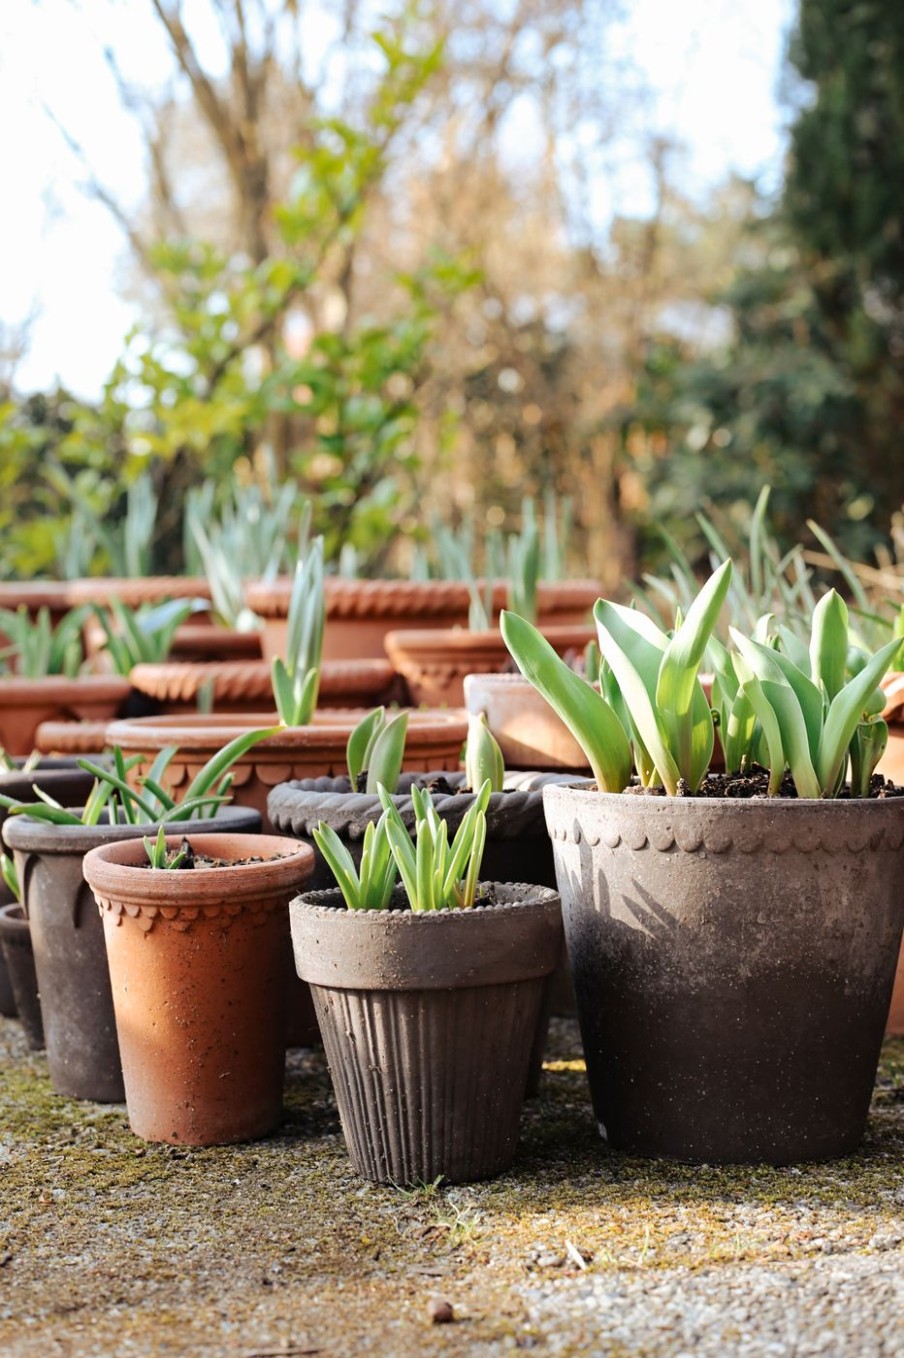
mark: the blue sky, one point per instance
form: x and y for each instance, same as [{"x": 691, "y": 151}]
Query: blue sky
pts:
[{"x": 713, "y": 66}]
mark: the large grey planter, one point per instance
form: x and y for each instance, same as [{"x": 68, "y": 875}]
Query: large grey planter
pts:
[
  {"x": 68, "y": 940},
  {"x": 733, "y": 962},
  {"x": 427, "y": 1022}
]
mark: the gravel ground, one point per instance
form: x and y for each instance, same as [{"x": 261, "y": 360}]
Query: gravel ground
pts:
[{"x": 112, "y": 1247}]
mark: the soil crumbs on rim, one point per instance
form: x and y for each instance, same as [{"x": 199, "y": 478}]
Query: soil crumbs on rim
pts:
[{"x": 112, "y": 1246}]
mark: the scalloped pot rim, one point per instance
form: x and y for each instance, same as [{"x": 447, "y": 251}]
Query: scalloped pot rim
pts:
[
  {"x": 775, "y": 825},
  {"x": 409, "y": 598},
  {"x": 332, "y": 725},
  {"x": 120, "y": 870}
]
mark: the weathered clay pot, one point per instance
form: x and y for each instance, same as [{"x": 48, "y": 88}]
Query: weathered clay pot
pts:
[
  {"x": 434, "y": 663},
  {"x": 733, "y": 962},
  {"x": 197, "y": 965},
  {"x": 63, "y": 780},
  {"x": 530, "y": 734},
  {"x": 359, "y": 613},
  {"x": 26, "y": 703},
  {"x": 19, "y": 958},
  {"x": 434, "y": 741},
  {"x": 71, "y": 965},
  {"x": 246, "y": 686},
  {"x": 427, "y": 1021}
]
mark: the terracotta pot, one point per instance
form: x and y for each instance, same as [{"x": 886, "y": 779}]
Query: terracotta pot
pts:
[
  {"x": 359, "y": 613},
  {"x": 26, "y": 703},
  {"x": 517, "y": 843},
  {"x": 434, "y": 663},
  {"x": 529, "y": 733},
  {"x": 405, "y": 1003},
  {"x": 75, "y": 739},
  {"x": 197, "y": 642},
  {"x": 19, "y": 957},
  {"x": 197, "y": 965},
  {"x": 66, "y": 933},
  {"x": 246, "y": 686},
  {"x": 434, "y": 740},
  {"x": 35, "y": 595},
  {"x": 733, "y": 963}
]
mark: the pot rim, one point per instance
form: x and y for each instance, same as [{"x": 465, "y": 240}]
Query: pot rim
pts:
[
  {"x": 119, "y": 871},
  {"x": 14, "y": 688},
  {"x": 29, "y": 835},
  {"x": 514, "y": 939}
]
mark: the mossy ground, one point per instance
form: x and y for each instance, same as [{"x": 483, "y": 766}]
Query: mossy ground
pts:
[{"x": 112, "y": 1246}]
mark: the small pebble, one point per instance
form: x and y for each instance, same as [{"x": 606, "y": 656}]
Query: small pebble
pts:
[{"x": 440, "y": 1312}]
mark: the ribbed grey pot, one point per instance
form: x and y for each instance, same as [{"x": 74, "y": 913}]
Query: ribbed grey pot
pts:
[
  {"x": 733, "y": 962},
  {"x": 427, "y": 1022},
  {"x": 68, "y": 940},
  {"x": 17, "y": 952},
  {"x": 67, "y": 784}
]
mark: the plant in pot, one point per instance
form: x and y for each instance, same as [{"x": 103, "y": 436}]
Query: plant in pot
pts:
[
  {"x": 732, "y": 937},
  {"x": 45, "y": 682},
  {"x": 408, "y": 982},
  {"x": 307, "y": 742},
  {"x": 49, "y": 842},
  {"x": 197, "y": 933}
]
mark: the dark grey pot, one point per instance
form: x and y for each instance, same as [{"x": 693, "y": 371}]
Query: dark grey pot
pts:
[
  {"x": 733, "y": 963},
  {"x": 427, "y": 1021},
  {"x": 15, "y": 946},
  {"x": 68, "y": 940},
  {"x": 67, "y": 784}
]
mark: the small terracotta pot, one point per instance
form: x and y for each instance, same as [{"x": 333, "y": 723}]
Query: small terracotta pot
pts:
[
  {"x": 66, "y": 934},
  {"x": 434, "y": 663},
  {"x": 26, "y": 703},
  {"x": 246, "y": 686},
  {"x": 434, "y": 740},
  {"x": 15, "y": 945},
  {"x": 530, "y": 734},
  {"x": 197, "y": 966},
  {"x": 428, "y": 1022}
]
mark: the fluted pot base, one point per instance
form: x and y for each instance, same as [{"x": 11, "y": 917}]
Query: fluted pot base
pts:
[{"x": 428, "y": 1021}]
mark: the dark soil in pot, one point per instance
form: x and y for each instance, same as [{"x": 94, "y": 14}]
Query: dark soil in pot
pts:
[{"x": 406, "y": 1004}]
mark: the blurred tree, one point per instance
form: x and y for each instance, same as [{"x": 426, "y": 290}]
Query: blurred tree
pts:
[{"x": 808, "y": 394}]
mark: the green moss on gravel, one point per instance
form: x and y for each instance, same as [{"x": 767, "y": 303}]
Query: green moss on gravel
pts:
[{"x": 105, "y": 1240}]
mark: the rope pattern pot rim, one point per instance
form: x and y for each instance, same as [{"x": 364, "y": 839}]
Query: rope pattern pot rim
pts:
[{"x": 298, "y": 807}]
